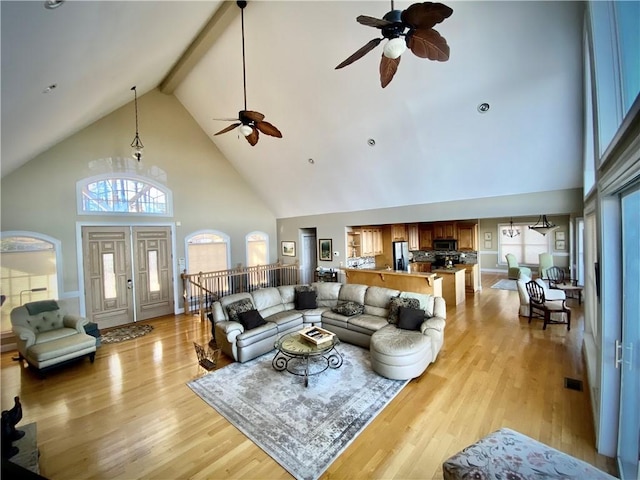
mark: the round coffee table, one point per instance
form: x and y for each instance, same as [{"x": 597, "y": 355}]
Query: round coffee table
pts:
[{"x": 304, "y": 358}]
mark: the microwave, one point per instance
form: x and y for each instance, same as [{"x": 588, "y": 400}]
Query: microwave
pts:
[{"x": 445, "y": 245}]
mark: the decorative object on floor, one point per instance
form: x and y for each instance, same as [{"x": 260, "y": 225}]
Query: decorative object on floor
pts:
[
  {"x": 509, "y": 454},
  {"x": 420, "y": 37},
  {"x": 207, "y": 356},
  {"x": 9, "y": 432},
  {"x": 249, "y": 122},
  {"x": 91, "y": 328},
  {"x": 543, "y": 226},
  {"x": 128, "y": 332},
  {"x": 136, "y": 144},
  {"x": 303, "y": 429},
  {"x": 505, "y": 284}
]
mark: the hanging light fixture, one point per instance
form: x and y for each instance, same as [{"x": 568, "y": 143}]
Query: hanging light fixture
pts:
[
  {"x": 137, "y": 143},
  {"x": 543, "y": 225},
  {"x": 511, "y": 231}
]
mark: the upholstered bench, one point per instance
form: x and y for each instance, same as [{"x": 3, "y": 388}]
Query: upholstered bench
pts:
[{"x": 508, "y": 454}]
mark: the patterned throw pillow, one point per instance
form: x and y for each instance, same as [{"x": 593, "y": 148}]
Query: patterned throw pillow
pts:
[
  {"x": 236, "y": 308},
  {"x": 348, "y": 309},
  {"x": 396, "y": 302}
]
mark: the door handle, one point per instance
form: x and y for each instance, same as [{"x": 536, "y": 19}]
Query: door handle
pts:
[
  {"x": 618, "y": 359},
  {"x": 130, "y": 286}
]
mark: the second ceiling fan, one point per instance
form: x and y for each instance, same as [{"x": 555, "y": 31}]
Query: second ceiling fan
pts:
[
  {"x": 415, "y": 24},
  {"x": 249, "y": 122}
]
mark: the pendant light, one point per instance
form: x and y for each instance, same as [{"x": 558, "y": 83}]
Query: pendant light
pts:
[
  {"x": 543, "y": 226},
  {"x": 511, "y": 231},
  {"x": 137, "y": 143}
]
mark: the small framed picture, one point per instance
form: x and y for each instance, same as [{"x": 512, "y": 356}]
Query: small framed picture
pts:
[
  {"x": 325, "y": 247},
  {"x": 560, "y": 245},
  {"x": 288, "y": 249},
  {"x": 487, "y": 244},
  {"x": 487, "y": 236},
  {"x": 559, "y": 236}
]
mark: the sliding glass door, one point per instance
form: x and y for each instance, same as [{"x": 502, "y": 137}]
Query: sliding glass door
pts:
[{"x": 629, "y": 348}]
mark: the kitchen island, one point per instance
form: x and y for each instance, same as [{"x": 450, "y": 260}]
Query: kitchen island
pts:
[
  {"x": 418, "y": 282},
  {"x": 453, "y": 284}
]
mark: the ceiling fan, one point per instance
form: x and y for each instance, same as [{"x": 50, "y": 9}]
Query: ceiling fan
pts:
[
  {"x": 249, "y": 122},
  {"x": 421, "y": 38}
]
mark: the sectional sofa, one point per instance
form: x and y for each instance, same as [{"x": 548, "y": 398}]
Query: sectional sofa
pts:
[{"x": 396, "y": 352}]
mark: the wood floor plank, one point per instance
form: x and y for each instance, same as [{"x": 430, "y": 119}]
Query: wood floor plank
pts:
[{"x": 131, "y": 415}]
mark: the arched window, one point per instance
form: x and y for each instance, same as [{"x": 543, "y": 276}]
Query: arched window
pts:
[
  {"x": 29, "y": 270},
  {"x": 125, "y": 194},
  {"x": 207, "y": 251},
  {"x": 257, "y": 249}
]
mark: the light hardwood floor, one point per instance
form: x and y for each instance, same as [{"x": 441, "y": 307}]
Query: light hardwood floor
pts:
[{"x": 130, "y": 414}]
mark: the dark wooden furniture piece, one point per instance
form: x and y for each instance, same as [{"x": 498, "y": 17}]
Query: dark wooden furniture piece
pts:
[
  {"x": 558, "y": 280},
  {"x": 538, "y": 302}
]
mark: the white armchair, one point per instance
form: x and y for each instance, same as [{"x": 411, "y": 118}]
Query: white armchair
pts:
[{"x": 47, "y": 336}]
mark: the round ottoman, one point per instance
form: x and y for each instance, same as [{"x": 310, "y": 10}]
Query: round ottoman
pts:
[{"x": 399, "y": 354}]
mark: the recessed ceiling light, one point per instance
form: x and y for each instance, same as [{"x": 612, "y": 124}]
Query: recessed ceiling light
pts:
[
  {"x": 311, "y": 161},
  {"x": 484, "y": 107},
  {"x": 50, "y": 88},
  {"x": 371, "y": 142},
  {"x": 51, "y": 4}
]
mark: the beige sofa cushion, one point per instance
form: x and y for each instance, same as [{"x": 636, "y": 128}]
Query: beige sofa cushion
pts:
[{"x": 376, "y": 301}]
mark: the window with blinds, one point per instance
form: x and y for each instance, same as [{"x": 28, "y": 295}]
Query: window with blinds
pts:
[{"x": 525, "y": 247}]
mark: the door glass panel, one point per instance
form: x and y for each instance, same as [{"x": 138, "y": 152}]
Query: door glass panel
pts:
[
  {"x": 109, "y": 275},
  {"x": 152, "y": 260}
]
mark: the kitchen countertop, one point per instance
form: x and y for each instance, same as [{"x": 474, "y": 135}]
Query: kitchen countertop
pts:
[
  {"x": 454, "y": 269},
  {"x": 390, "y": 272}
]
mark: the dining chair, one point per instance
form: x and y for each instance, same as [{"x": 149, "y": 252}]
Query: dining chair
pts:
[{"x": 547, "y": 308}]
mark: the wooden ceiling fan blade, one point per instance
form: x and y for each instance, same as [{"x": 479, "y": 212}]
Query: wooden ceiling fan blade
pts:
[
  {"x": 361, "y": 52},
  {"x": 228, "y": 129},
  {"x": 428, "y": 44},
  {"x": 251, "y": 115},
  {"x": 372, "y": 21},
  {"x": 388, "y": 68},
  {"x": 425, "y": 15},
  {"x": 252, "y": 138},
  {"x": 268, "y": 129}
]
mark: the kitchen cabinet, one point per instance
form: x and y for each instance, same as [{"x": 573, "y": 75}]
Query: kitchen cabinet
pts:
[
  {"x": 444, "y": 230},
  {"x": 413, "y": 234},
  {"x": 426, "y": 237},
  {"x": 424, "y": 267},
  {"x": 398, "y": 232},
  {"x": 470, "y": 276},
  {"x": 371, "y": 238},
  {"x": 467, "y": 236}
]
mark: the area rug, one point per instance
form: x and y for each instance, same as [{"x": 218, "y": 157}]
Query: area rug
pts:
[
  {"x": 127, "y": 332},
  {"x": 303, "y": 429},
  {"x": 505, "y": 284}
]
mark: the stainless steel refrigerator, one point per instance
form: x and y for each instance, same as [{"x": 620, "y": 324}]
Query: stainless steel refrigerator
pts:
[{"x": 401, "y": 256}]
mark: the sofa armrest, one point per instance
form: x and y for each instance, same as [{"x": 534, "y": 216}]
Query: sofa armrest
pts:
[
  {"x": 230, "y": 329},
  {"x": 74, "y": 321},
  {"x": 433, "y": 323},
  {"x": 25, "y": 334}
]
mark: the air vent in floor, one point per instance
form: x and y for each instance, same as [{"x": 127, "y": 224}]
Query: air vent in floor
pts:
[{"x": 573, "y": 384}]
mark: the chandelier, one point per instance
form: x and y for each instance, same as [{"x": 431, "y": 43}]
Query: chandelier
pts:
[
  {"x": 543, "y": 225},
  {"x": 137, "y": 143},
  {"x": 511, "y": 231}
]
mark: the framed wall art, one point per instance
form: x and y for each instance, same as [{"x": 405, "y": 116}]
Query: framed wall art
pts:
[
  {"x": 288, "y": 249},
  {"x": 487, "y": 236},
  {"x": 559, "y": 236},
  {"x": 560, "y": 245},
  {"x": 325, "y": 247}
]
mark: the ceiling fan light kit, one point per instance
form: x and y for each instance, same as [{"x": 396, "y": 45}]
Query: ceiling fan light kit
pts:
[
  {"x": 411, "y": 28},
  {"x": 249, "y": 122}
]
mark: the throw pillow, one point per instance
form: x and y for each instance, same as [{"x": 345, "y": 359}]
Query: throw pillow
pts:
[
  {"x": 251, "y": 319},
  {"x": 410, "y": 318},
  {"x": 305, "y": 300},
  {"x": 304, "y": 288},
  {"x": 348, "y": 309},
  {"x": 396, "y": 302},
  {"x": 235, "y": 308}
]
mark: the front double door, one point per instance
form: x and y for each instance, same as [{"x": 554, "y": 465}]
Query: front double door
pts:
[{"x": 128, "y": 274}]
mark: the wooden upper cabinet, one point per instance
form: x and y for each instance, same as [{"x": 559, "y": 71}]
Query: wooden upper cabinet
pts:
[
  {"x": 371, "y": 241},
  {"x": 398, "y": 232},
  {"x": 444, "y": 230},
  {"x": 467, "y": 236},
  {"x": 426, "y": 237},
  {"x": 378, "y": 248},
  {"x": 413, "y": 234}
]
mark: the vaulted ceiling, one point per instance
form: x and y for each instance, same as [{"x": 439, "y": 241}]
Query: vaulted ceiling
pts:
[{"x": 431, "y": 142}]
